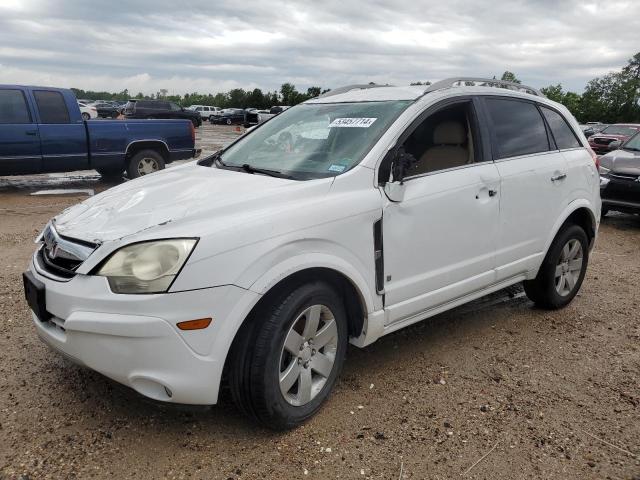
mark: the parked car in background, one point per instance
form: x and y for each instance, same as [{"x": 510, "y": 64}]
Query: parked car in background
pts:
[
  {"x": 205, "y": 111},
  {"x": 256, "y": 117},
  {"x": 107, "y": 109},
  {"x": 620, "y": 177},
  {"x": 160, "y": 109},
  {"x": 87, "y": 111},
  {"x": 42, "y": 130},
  {"x": 346, "y": 218},
  {"x": 592, "y": 128},
  {"x": 617, "y": 132},
  {"x": 229, "y": 116}
]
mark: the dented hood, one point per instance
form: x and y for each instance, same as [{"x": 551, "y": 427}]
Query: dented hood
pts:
[{"x": 175, "y": 195}]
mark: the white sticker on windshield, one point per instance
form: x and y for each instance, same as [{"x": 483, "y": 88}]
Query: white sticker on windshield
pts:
[{"x": 352, "y": 122}]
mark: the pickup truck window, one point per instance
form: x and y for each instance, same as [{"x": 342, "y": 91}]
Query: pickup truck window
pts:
[
  {"x": 13, "y": 107},
  {"x": 314, "y": 140},
  {"x": 51, "y": 106}
]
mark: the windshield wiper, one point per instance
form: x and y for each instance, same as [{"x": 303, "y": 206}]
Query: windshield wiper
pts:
[{"x": 264, "y": 171}]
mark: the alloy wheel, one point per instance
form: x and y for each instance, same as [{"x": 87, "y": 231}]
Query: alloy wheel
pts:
[
  {"x": 147, "y": 165},
  {"x": 569, "y": 267},
  {"x": 308, "y": 355}
]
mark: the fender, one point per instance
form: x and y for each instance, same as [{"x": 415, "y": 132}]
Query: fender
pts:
[
  {"x": 566, "y": 213},
  {"x": 316, "y": 260}
]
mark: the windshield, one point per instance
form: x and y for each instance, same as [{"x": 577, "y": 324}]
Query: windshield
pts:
[
  {"x": 619, "y": 130},
  {"x": 633, "y": 143},
  {"x": 315, "y": 140}
]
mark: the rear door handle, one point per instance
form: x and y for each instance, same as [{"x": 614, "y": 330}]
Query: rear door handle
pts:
[
  {"x": 493, "y": 193},
  {"x": 562, "y": 176}
]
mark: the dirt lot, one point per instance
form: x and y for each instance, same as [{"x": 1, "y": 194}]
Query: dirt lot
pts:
[{"x": 552, "y": 395}]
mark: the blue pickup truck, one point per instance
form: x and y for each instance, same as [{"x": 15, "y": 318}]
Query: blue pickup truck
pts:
[{"x": 42, "y": 130}]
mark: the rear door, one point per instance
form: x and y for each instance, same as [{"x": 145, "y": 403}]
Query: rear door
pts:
[
  {"x": 533, "y": 175},
  {"x": 63, "y": 134},
  {"x": 19, "y": 140}
]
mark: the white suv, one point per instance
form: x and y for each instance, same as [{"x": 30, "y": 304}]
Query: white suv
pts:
[
  {"x": 339, "y": 221},
  {"x": 205, "y": 111}
]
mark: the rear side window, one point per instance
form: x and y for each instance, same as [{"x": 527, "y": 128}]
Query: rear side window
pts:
[
  {"x": 51, "y": 106},
  {"x": 562, "y": 133},
  {"x": 518, "y": 128},
  {"x": 13, "y": 107}
]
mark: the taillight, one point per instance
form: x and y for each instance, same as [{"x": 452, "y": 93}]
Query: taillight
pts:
[
  {"x": 596, "y": 160},
  {"x": 193, "y": 132}
]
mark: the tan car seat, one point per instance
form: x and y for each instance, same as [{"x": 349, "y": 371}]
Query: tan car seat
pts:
[{"x": 447, "y": 151}]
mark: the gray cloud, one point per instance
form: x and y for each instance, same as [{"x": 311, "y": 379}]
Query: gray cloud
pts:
[{"x": 210, "y": 46}]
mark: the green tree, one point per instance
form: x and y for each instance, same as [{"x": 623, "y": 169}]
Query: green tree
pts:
[{"x": 508, "y": 76}]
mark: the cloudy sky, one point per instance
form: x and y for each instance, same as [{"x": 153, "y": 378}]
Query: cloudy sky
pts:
[{"x": 215, "y": 45}]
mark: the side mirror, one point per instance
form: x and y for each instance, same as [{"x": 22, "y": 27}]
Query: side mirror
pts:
[
  {"x": 615, "y": 145},
  {"x": 394, "y": 191},
  {"x": 400, "y": 165}
]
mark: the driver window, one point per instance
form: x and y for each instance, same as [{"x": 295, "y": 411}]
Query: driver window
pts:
[{"x": 443, "y": 140}]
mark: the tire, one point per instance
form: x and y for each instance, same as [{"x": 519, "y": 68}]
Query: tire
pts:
[
  {"x": 195, "y": 122},
  {"x": 114, "y": 115},
  {"x": 228, "y": 121},
  {"x": 603, "y": 212},
  {"x": 110, "y": 172},
  {"x": 259, "y": 357},
  {"x": 143, "y": 163},
  {"x": 86, "y": 117},
  {"x": 550, "y": 291}
]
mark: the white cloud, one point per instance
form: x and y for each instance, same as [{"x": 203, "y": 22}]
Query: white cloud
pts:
[{"x": 145, "y": 45}]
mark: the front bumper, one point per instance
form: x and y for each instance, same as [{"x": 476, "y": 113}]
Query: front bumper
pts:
[{"x": 134, "y": 340}]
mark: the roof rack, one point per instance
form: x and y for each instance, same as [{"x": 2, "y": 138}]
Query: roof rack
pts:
[
  {"x": 482, "y": 82},
  {"x": 348, "y": 88}
]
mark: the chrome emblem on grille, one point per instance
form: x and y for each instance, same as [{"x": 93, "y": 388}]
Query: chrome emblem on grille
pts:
[{"x": 59, "y": 247}]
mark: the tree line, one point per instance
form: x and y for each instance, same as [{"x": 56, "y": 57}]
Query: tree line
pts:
[
  {"x": 613, "y": 98},
  {"x": 235, "y": 98}
]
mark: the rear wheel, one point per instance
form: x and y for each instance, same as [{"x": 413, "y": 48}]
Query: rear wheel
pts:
[
  {"x": 86, "y": 116},
  {"x": 228, "y": 121},
  {"x": 603, "y": 212},
  {"x": 285, "y": 361},
  {"x": 144, "y": 163},
  {"x": 562, "y": 271}
]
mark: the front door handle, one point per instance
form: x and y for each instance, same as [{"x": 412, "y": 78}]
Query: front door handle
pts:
[
  {"x": 556, "y": 178},
  {"x": 493, "y": 193},
  {"x": 31, "y": 132}
]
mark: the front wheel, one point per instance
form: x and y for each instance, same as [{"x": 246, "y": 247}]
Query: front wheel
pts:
[
  {"x": 562, "y": 271},
  {"x": 86, "y": 117},
  {"x": 285, "y": 361},
  {"x": 144, "y": 163}
]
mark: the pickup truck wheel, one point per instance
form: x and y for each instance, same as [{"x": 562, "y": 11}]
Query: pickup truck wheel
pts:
[
  {"x": 562, "y": 270},
  {"x": 144, "y": 162},
  {"x": 195, "y": 122},
  {"x": 228, "y": 121},
  {"x": 285, "y": 362},
  {"x": 86, "y": 117}
]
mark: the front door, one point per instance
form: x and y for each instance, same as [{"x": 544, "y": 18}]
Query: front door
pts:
[
  {"x": 19, "y": 140},
  {"x": 439, "y": 241}
]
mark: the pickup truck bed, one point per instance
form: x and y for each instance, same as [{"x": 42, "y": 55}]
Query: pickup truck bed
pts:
[{"x": 41, "y": 130}]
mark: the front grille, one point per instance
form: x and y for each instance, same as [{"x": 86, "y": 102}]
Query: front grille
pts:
[
  {"x": 57, "y": 266},
  {"x": 61, "y": 256}
]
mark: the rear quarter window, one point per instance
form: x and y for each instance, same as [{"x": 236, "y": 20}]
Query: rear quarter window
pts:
[
  {"x": 51, "y": 106},
  {"x": 560, "y": 129},
  {"x": 13, "y": 107},
  {"x": 518, "y": 128}
]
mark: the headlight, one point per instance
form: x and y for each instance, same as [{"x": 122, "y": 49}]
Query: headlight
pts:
[{"x": 148, "y": 267}]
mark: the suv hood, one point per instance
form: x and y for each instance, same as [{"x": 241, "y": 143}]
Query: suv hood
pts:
[
  {"x": 177, "y": 194},
  {"x": 622, "y": 161}
]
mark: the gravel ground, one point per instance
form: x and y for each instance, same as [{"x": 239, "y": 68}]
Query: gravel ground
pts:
[{"x": 496, "y": 389}]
